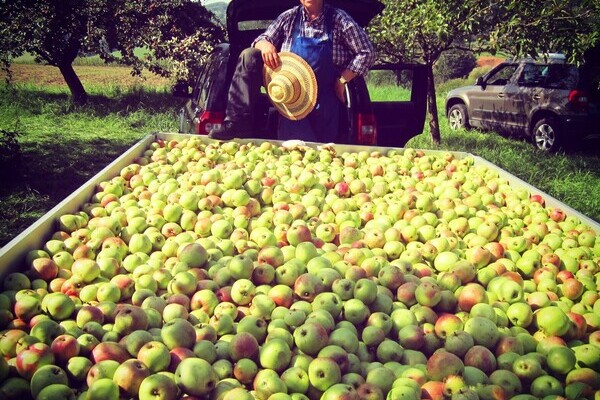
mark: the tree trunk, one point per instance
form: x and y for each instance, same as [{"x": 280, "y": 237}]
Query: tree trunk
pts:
[
  {"x": 78, "y": 92},
  {"x": 434, "y": 124}
]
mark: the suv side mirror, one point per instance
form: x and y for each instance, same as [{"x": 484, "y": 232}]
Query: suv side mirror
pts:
[
  {"x": 479, "y": 81},
  {"x": 181, "y": 89}
]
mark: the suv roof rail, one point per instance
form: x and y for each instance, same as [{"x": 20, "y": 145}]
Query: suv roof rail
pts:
[{"x": 546, "y": 57}]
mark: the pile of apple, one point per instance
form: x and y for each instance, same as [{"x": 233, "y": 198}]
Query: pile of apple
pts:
[{"x": 240, "y": 271}]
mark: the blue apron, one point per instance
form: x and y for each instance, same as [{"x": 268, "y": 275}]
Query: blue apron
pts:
[{"x": 321, "y": 125}]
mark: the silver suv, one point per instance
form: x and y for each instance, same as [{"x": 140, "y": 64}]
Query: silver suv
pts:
[{"x": 552, "y": 102}]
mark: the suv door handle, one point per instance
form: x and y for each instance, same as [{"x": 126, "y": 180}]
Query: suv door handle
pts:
[{"x": 500, "y": 94}]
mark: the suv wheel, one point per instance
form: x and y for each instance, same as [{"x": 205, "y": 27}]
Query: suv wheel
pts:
[
  {"x": 546, "y": 134},
  {"x": 457, "y": 117}
]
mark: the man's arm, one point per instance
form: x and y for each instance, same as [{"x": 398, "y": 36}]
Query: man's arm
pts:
[
  {"x": 269, "y": 53},
  {"x": 356, "y": 40},
  {"x": 340, "y": 84},
  {"x": 270, "y": 41}
]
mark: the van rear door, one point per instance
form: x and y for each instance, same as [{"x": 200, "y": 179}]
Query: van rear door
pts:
[
  {"x": 394, "y": 97},
  {"x": 246, "y": 19}
]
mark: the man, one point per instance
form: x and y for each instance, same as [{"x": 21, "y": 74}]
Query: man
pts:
[{"x": 329, "y": 40}]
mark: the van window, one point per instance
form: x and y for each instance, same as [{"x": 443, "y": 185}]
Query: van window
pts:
[
  {"x": 200, "y": 82},
  {"x": 388, "y": 85},
  {"x": 254, "y": 25},
  {"x": 206, "y": 80}
]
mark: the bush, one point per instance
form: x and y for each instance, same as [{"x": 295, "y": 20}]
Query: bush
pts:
[
  {"x": 454, "y": 64},
  {"x": 389, "y": 78},
  {"x": 381, "y": 78},
  {"x": 477, "y": 72}
]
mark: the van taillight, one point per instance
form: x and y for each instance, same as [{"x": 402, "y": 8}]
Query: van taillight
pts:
[
  {"x": 367, "y": 129},
  {"x": 578, "y": 99},
  {"x": 207, "y": 121}
]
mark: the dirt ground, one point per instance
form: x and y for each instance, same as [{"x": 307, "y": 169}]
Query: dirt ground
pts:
[
  {"x": 489, "y": 61},
  {"x": 45, "y": 75}
]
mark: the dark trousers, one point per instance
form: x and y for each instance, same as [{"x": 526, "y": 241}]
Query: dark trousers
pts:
[{"x": 245, "y": 87}]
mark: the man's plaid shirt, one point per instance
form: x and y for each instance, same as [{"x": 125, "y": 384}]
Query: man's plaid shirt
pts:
[{"x": 352, "y": 48}]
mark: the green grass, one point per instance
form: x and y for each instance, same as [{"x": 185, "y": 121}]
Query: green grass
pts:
[
  {"x": 382, "y": 93},
  {"x": 62, "y": 146}
]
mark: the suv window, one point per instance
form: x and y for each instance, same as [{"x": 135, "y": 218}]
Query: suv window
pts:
[
  {"x": 502, "y": 76},
  {"x": 533, "y": 75},
  {"x": 551, "y": 76},
  {"x": 561, "y": 76}
]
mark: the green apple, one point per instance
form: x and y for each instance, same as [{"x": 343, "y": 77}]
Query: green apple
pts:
[
  {"x": 56, "y": 391},
  {"x": 155, "y": 355},
  {"x": 483, "y": 331},
  {"x": 275, "y": 354},
  {"x": 45, "y": 376},
  {"x": 103, "y": 389},
  {"x": 551, "y": 320},
  {"x": 561, "y": 359},
  {"x": 178, "y": 333},
  {"x": 158, "y": 387},
  {"x": 324, "y": 373},
  {"x": 193, "y": 254},
  {"x": 195, "y": 377},
  {"x": 77, "y": 368},
  {"x": 310, "y": 338},
  {"x": 527, "y": 368}
]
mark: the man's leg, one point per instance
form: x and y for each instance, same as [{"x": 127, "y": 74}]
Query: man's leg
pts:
[{"x": 243, "y": 93}]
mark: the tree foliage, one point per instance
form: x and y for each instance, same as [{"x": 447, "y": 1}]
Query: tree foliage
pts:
[
  {"x": 176, "y": 34},
  {"x": 537, "y": 27},
  {"x": 454, "y": 63}
]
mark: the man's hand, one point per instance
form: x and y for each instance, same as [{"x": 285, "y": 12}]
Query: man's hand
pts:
[
  {"x": 340, "y": 91},
  {"x": 340, "y": 84},
  {"x": 269, "y": 53}
]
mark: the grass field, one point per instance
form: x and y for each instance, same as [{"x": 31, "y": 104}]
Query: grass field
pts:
[{"x": 62, "y": 145}]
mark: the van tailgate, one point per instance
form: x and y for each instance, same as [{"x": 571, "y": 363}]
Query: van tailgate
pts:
[{"x": 399, "y": 107}]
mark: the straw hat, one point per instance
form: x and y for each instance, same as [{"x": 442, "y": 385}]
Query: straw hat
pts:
[{"x": 292, "y": 87}]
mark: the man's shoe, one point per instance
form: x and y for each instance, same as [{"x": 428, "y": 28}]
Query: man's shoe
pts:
[{"x": 229, "y": 130}]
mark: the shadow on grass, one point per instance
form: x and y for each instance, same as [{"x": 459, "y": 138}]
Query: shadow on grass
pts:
[
  {"x": 44, "y": 175},
  {"x": 118, "y": 101},
  {"x": 58, "y": 168},
  {"x": 589, "y": 146},
  {"x": 584, "y": 153}
]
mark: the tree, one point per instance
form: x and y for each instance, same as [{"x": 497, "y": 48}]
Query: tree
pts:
[
  {"x": 421, "y": 30},
  {"x": 177, "y": 34}
]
